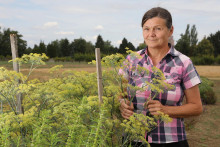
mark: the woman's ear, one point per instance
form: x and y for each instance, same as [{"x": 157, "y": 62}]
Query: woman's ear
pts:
[{"x": 171, "y": 31}]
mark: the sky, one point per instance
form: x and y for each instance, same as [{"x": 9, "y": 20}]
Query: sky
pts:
[{"x": 48, "y": 20}]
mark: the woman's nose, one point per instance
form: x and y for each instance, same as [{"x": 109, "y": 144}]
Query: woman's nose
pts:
[{"x": 151, "y": 32}]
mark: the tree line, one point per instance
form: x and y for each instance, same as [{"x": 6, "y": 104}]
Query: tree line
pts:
[{"x": 187, "y": 44}]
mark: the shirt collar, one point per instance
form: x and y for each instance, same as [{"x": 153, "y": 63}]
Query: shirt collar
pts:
[{"x": 172, "y": 51}]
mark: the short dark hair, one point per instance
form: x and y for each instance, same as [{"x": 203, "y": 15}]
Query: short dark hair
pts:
[{"x": 158, "y": 12}]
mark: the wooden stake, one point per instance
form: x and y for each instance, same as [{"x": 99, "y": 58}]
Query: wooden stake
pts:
[
  {"x": 99, "y": 74},
  {"x": 14, "y": 51}
]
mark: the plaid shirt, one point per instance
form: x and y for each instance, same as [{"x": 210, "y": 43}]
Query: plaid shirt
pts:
[{"x": 178, "y": 71}]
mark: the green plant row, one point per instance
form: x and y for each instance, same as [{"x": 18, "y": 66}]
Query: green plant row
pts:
[
  {"x": 206, "y": 60},
  {"x": 3, "y": 58}
]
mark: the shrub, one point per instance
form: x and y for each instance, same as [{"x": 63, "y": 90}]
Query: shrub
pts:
[
  {"x": 84, "y": 57},
  {"x": 79, "y": 57},
  {"x": 208, "y": 60},
  {"x": 203, "y": 60},
  {"x": 2, "y": 58},
  {"x": 206, "y": 92},
  {"x": 8, "y": 57},
  {"x": 217, "y": 59}
]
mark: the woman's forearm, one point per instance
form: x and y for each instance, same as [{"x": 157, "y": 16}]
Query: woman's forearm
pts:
[{"x": 186, "y": 110}]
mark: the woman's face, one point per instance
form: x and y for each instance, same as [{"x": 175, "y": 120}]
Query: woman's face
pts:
[{"x": 156, "y": 33}]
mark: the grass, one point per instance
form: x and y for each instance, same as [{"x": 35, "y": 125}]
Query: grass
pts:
[
  {"x": 42, "y": 72},
  {"x": 206, "y": 130}
]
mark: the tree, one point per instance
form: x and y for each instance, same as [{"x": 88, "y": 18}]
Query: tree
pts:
[
  {"x": 215, "y": 40},
  {"x": 79, "y": 45},
  {"x": 183, "y": 44},
  {"x": 5, "y": 44},
  {"x": 131, "y": 46},
  {"x": 187, "y": 42},
  {"x": 53, "y": 49},
  {"x": 122, "y": 46},
  {"x": 28, "y": 50},
  {"x": 36, "y": 49},
  {"x": 90, "y": 49},
  {"x": 100, "y": 43},
  {"x": 193, "y": 36},
  {"x": 105, "y": 46},
  {"x": 65, "y": 47},
  {"x": 125, "y": 44},
  {"x": 42, "y": 47},
  {"x": 109, "y": 49},
  {"x": 141, "y": 46},
  {"x": 205, "y": 47}
]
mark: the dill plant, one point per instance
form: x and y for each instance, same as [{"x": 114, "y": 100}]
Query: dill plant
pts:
[
  {"x": 65, "y": 110},
  {"x": 138, "y": 124}
]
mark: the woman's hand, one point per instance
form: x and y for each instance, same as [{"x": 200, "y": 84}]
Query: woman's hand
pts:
[
  {"x": 192, "y": 107},
  {"x": 126, "y": 108},
  {"x": 154, "y": 106}
]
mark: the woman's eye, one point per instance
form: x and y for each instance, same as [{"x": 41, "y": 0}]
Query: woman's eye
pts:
[{"x": 158, "y": 29}]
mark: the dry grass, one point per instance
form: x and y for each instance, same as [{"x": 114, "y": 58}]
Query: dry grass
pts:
[
  {"x": 211, "y": 72},
  {"x": 205, "y": 132}
]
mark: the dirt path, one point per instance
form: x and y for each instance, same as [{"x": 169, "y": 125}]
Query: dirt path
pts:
[{"x": 206, "y": 131}]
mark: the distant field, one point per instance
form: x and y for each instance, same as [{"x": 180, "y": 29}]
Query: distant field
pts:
[
  {"x": 211, "y": 72},
  {"x": 42, "y": 72}
]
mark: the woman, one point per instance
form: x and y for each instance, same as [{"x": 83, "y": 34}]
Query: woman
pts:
[{"x": 178, "y": 70}]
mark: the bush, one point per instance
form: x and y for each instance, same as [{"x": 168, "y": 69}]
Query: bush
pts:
[
  {"x": 2, "y": 58},
  {"x": 217, "y": 59},
  {"x": 63, "y": 59},
  {"x": 206, "y": 92},
  {"x": 203, "y": 60},
  {"x": 208, "y": 60},
  {"x": 8, "y": 57},
  {"x": 84, "y": 57}
]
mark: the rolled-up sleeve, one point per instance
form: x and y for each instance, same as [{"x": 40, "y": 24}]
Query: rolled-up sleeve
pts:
[{"x": 190, "y": 75}]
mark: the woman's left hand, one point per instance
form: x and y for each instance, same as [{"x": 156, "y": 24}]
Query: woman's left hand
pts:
[{"x": 154, "y": 106}]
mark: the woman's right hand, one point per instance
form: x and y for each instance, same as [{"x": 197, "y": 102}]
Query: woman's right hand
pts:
[{"x": 126, "y": 108}]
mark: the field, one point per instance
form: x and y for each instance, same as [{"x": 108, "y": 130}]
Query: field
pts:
[
  {"x": 205, "y": 129},
  {"x": 202, "y": 131}
]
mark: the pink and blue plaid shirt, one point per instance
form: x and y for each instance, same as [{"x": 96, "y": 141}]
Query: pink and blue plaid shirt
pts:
[{"x": 179, "y": 71}]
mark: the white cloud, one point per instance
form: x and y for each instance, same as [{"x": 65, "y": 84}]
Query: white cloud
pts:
[
  {"x": 65, "y": 33},
  {"x": 119, "y": 42},
  {"x": 99, "y": 28},
  {"x": 91, "y": 38},
  {"x": 95, "y": 37},
  {"x": 50, "y": 24},
  {"x": 46, "y": 25}
]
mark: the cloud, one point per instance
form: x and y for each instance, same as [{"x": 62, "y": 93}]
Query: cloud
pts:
[
  {"x": 99, "y": 28},
  {"x": 65, "y": 33},
  {"x": 50, "y": 24},
  {"x": 119, "y": 42},
  {"x": 47, "y": 25}
]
